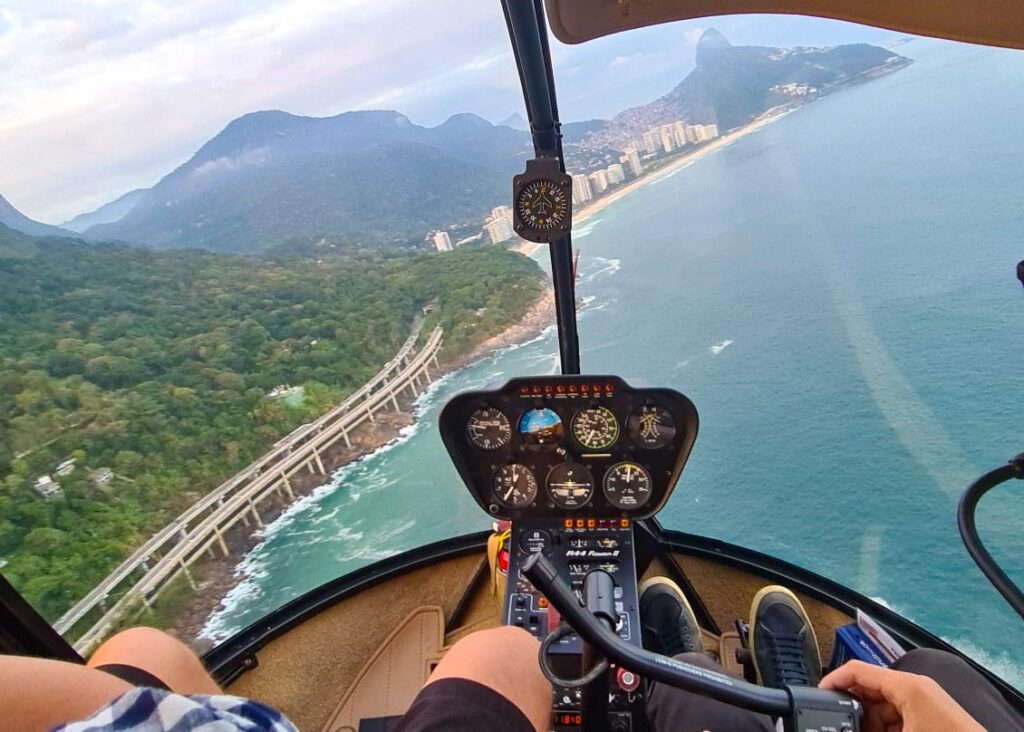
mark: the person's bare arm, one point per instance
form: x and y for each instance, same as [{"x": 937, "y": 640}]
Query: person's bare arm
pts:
[
  {"x": 896, "y": 701},
  {"x": 39, "y": 694}
]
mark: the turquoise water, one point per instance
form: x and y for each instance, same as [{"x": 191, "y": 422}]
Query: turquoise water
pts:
[{"x": 836, "y": 293}]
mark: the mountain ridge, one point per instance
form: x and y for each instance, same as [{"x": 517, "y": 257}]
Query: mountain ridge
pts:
[
  {"x": 15, "y": 219},
  {"x": 376, "y": 179}
]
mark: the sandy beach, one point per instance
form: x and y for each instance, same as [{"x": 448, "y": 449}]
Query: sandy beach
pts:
[{"x": 592, "y": 208}]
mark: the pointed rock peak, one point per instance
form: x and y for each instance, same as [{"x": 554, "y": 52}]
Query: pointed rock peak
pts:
[{"x": 711, "y": 43}]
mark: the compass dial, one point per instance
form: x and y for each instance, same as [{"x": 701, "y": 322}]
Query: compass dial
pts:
[
  {"x": 542, "y": 205},
  {"x": 571, "y": 485},
  {"x": 595, "y": 428},
  {"x": 627, "y": 485},
  {"x": 488, "y": 428},
  {"x": 514, "y": 485}
]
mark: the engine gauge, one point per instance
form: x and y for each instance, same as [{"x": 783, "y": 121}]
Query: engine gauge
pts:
[
  {"x": 514, "y": 485},
  {"x": 570, "y": 485},
  {"x": 595, "y": 428},
  {"x": 488, "y": 428},
  {"x": 627, "y": 485},
  {"x": 651, "y": 427}
]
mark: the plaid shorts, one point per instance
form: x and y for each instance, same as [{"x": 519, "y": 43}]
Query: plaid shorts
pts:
[{"x": 157, "y": 710}]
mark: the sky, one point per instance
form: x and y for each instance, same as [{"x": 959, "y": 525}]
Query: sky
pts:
[{"x": 98, "y": 97}]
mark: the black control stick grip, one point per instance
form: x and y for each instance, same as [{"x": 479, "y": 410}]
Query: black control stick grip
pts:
[{"x": 842, "y": 709}]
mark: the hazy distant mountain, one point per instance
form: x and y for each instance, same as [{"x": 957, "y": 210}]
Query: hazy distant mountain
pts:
[
  {"x": 273, "y": 181},
  {"x": 373, "y": 177},
  {"x": 731, "y": 85},
  {"x": 15, "y": 219},
  {"x": 108, "y": 213},
  {"x": 516, "y": 122}
]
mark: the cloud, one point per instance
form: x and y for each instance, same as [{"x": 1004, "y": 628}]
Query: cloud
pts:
[
  {"x": 692, "y": 35},
  {"x": 103, "y": 96}
]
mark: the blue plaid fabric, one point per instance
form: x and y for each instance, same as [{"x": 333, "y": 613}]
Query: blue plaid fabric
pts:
[{"x": 156, "y": 710}]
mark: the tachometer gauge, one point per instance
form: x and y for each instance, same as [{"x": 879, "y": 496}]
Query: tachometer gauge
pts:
[
  {"x": 651, "y": 427},
  {"x": 595, "y": 428},
  {"x": 488, "y": 428},
  {"x": 627, "y": 485},
  {"x": 514, "y": 485},
  {"x": 571, "y": 485}
]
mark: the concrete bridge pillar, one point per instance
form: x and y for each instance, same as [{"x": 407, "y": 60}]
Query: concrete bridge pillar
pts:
[
  {"x": 319, "y": 462},
  {"x": 220, "y": 540},
  {"x": 344, "y": 436},
  {"x": 369, "y": 413},
  {"x": 188, "y": 574},
  {"x": 287, "y": 485},
  {"x": 255, "y": 514}
]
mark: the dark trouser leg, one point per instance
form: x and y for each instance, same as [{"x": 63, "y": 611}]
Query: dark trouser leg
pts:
[
  {"x": 969, "y": 688},
  {"x": 674, "y": 710}
]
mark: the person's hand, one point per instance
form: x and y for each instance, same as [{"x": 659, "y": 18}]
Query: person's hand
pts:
[{"x": 896, "y": 701}]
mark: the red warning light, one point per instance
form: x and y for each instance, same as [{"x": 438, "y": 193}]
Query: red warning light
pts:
[
  {"x": 597, "y": 387},
  {"x": 547, "y": 388},
  {"x": 536, "y": 389},
  {"x": 524, "y": 389},
  {"x": 584, "y": 388},
  {"x": 609, "y": 387},
  {"x": 572, "y": 388},
  {"x": 560, "y": 388}
]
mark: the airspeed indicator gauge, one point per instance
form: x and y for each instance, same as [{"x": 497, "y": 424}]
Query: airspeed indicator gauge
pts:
[
  {"x": 542, "y": 201},
  {"x": 488, "y": 428}
]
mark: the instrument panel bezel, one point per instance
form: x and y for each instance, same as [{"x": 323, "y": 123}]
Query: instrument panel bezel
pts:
[{"x": 520, "y": 394}]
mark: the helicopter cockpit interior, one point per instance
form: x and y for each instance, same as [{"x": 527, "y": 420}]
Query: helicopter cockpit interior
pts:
[{"x": 569, "y": 473}]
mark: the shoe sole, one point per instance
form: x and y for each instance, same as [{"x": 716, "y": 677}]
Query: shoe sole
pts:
[
  {"x": 753, "y": 625},
  {"x": 682, "y": 598}
]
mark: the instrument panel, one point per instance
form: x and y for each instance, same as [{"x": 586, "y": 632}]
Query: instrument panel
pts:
[{"x": 581, "y": 446}]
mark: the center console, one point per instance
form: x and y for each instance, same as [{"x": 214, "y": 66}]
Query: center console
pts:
[{"x": 572, "y": 462}]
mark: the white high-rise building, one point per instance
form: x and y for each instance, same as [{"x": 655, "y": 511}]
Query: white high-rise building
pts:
[
  {"x": 668, "y": 142},
  {"x": 692, "y": 133},
  {"x": 616, "y": 174},
  {"x": 679, "y": 133},
  {"x": 632, "y": 159},
  {"x": 581, "y": 191},
  {"x": 598, "y": 181},
  {"x": 442, "y": 241},
  {"x": 502, "y": 212},
  {"x": 499, "y": 229},
  {"x": 651, "y": 140}
]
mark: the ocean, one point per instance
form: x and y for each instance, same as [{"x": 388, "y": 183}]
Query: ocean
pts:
[{"x": 836, "y": 293}]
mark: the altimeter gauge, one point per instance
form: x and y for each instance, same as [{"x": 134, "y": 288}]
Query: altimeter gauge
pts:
[
  {"x": 542, "y": 201},
  {"x": 488, "y": 428},
  {"x": 595, "y": 428},
  {"x": 514, "y": 485},
  {"x": 570, "y": 485},
  {"x": 627, "y": 485}
]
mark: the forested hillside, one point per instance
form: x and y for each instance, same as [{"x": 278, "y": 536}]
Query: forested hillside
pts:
[{"x": 155, "y": 364}]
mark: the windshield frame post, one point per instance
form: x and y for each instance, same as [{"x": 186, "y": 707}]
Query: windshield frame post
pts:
[{"x": 528, "y": 35}]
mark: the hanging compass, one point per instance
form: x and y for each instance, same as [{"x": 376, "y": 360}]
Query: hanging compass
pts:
[{"x": 542, "y": 198}]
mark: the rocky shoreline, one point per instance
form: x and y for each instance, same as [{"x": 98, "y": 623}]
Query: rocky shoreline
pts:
[{"x": 217, "y": 576}]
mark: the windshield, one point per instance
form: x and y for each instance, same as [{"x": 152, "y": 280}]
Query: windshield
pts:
[{"x": 224, "y": 352}]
